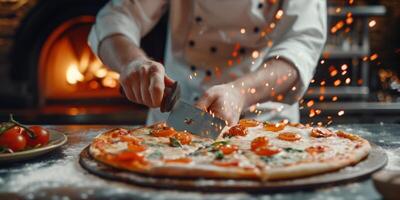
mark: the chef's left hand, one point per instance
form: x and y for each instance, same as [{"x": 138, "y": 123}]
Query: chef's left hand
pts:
[{"x": 224, "y": 101}]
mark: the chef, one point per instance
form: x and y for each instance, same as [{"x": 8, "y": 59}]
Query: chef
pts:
[{"x": 234, "y": 58}]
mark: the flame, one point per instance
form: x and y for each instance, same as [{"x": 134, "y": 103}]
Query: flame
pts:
[{"x": 73, "y": 74}]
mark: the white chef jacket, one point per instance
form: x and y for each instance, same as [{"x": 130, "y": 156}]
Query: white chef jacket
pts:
[{"x": 212, "y": 42}]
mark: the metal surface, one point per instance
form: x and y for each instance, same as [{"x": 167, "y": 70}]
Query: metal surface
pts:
[
  {"x": 58, "y": 175},
  {"x": 186, "y": 117},
  {"x": 376, "y": 160}
]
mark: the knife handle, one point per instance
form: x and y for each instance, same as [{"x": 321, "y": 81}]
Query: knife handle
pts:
[{"x": 171, "y": 96}]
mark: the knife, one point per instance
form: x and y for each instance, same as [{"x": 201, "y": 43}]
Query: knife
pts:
[{"x": 186, "y": 117}]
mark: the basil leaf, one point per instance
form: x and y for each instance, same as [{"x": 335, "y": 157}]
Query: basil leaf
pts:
[
  {"x": 174, "y": 142},
  {"x": 292, "y": 150},
  {"x": 267, "y": 159},
  {"x": 157, "y": 154},
  {"x": 219, "y": 155}
]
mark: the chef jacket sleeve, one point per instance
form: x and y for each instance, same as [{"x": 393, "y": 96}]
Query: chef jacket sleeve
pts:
[
  {"x": 131, "y": 18},
  {"x": 304, "y": 24}
]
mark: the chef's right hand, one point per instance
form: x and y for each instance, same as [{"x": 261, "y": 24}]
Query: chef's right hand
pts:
[{"x": 144, "y": 81}]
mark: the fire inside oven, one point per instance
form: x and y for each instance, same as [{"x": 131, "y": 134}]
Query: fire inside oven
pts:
[{"x": 67, "y": 67}]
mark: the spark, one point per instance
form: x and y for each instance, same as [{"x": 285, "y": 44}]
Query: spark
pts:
[
  {"x": 340, "y": 113},
  {"x": 333, "y": 73},
  {"x": 310, "y": 103},
  {"x": 252, "y": 90},
  {"x": 348, "y": 80},
  {"x": 321, "y": 98},
  {"x": 344, "y": 67},
  {"x": 334, "y": 98},
  {"x": 322, "y": 83},
  {"x": 322, "y": 62},
  {"x": 373, "y": 57},
  {"x": 294, "y": 88},
  {"x": 255, "y": 54},
  {"x": 312, "y": 113},
  {"x": 272, "y": 25},
  {"x": 372, "y": 23},
  {"x": 279, "y": 14},
  {"x": 242, "y": 31},
  {"x": 337, "y": 82},
  {"x": 267, "y": 84}
]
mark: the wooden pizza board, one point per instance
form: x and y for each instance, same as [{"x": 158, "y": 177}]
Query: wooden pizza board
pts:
[{"x": 376, "y": 160}]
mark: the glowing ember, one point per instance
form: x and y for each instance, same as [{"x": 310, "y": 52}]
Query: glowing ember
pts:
[
  {"x": 344, "y": 67},
  {"x": 337, "y": 82},
  {"x": 340, "y": 113},
  {"x": 348, "y": 80},
  {"x": 255, "y": 54},
  {"x": 279, "y": 14},
  {"x": 242, "y": 31},
  {"x": 334, "y": 98},
  {"x": 310, "y": 103},
  {"x": 373, "y": 57},
  {"x": 372, "y": 23}
]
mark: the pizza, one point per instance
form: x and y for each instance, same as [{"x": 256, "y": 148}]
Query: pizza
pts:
[{"x": 248, "y": 150}]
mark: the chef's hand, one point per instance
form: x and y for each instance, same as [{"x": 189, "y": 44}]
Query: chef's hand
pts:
[
  {"x": 224, "y": 101},
  {"x": 144, "y": 81}
]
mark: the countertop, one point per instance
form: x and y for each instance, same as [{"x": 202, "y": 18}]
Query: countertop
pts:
[{"x": 58, "y": 175}]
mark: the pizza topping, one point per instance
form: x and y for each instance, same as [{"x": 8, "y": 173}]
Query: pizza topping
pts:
[
  {"x": 292, "y": 150},
  {"x": 179, "y": 160},
  {"x": 289, "y": 136},
  {"x": 156, "y": 155},
  {"x": 274, "y": 127},
  {"x": 220, "y": 163},
  {"x": 174, "y": 142},
  {"x": 266, "y": 151},
  {"x": 136, "y": 148},
  {"x": 228, "y": 149},
  {"x": 316, "y": 149},
  {"x": 183, "y": 137},
  {"x": 128, "y": 156},
  {"x": 259, "y": 142},
  {"x": 297, "y": 125},
  {"x": 237, "y": 130},
  {"x": 219, "y": 155},
  {"x": 249, "y": 123},
  {"x": 118, "y": 132},
  {"x": 130, "y": 139},
  {"x": 163, "y": 132},
  {"x": 321, "y": 132},
  {"x": 347, "y": 135}
]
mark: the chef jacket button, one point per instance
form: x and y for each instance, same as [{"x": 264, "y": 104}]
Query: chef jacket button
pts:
[
  {"x": 191, "y": 43},
  {"x": 213, "y": 49},
  {"x": 256, "y": 29},
  {"x": 208, "y": 72},
  {"x": 260, "y": 5},
  {"x": 193, "y": 68},
  {"x": 242, "y": 50},
  {"x": 198, "y": 19}
]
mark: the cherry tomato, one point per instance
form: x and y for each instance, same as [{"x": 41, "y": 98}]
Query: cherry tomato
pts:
[
  {"x": 163, "y": 132},
  {"x": 347, "y": 135},
  {"x": 316, "y": 149},
  {"x": 178, "y": 160},
  {"x": 259, "y": 142},
  {"x": 42, "y": 136},
  {"x": 13, "y": 139},
  {"x": 233, "y": 163},
  {"x": 288, "y": 136},
  {"x": 237, "y": 130},
  {"x": 249, "y": 123},
  {"x": 130, "y": 139},
  {"x": 266, "y": 151},
  {"x": 183, "y": 137},
  {"x": 321, "y": 132},
  {"x": 228, "y": 149},
  {"x": 274, "y": 127}
]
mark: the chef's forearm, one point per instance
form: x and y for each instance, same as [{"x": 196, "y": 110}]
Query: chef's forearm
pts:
[
  {"x": 269, "y": 83},
  {"x": 117, "y": 51}
]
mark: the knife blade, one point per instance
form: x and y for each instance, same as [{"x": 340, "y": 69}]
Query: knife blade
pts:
[{"x": 186, "y": 117}]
